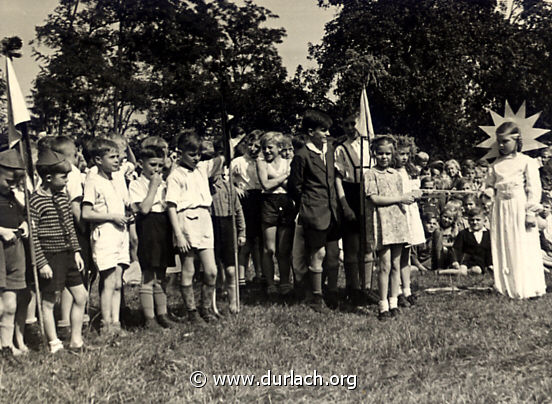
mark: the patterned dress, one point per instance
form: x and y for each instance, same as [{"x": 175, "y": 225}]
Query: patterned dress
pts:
[{"x": 387, "y": 224}]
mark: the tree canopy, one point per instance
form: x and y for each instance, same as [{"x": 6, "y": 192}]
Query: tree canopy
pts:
[{"x": 433, "y": 68}]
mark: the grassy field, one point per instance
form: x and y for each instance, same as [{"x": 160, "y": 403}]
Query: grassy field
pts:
[{"x": 460, "y": 347}]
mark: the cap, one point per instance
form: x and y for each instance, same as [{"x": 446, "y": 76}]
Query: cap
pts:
[
  {"x": 49, "y": 157},
  {"x": 11, "y": 159}
]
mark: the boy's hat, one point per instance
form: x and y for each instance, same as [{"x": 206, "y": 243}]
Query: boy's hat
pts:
[
  {"x": 11, "y": 159},
  {"x": 49, "y": 158}
]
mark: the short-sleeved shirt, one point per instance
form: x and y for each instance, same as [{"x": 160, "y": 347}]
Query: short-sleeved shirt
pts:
[
  {"x": 106, "y": 196},
  {"x": 244, "y": 170},
  {"x": 138, "y": 190},
  {"x": 188, "y": 189},
  {"x": 74, "y": 188},
  {"x": 347, "y": 159}
]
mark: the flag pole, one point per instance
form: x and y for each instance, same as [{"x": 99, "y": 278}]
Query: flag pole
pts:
[{"x": 18, "y": 115}]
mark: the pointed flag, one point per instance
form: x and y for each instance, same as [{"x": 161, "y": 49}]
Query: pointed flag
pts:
[
  {"x": 17, "y": 109},
  {"x": 364, "y": 121}
]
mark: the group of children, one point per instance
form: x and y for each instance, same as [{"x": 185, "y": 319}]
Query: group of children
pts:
[{"x": 293, "y": 200}]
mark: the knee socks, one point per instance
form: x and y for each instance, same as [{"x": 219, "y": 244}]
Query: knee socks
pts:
[
  {"x": 146, "y": 299},
  {"x": 160, "y": 299}
]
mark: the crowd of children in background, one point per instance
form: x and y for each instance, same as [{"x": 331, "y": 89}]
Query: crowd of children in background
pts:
[{"x": 93, "y": 213}]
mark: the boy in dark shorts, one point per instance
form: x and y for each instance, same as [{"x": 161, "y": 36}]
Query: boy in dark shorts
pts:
[
  {"x": 57, "y": 249},
  {"x": 13, "y": 227},
  {"x": 311, "y": 184}
]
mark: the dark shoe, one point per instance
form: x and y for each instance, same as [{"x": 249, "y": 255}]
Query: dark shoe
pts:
[
  {"x": 152, "y": 325},
  {"x": 64, "y": 333},
  {"x": 332, "y": 300},
  {"x": 369, "y": 297},
  {"x": 208, "y": 316},
  {"x": 194, "y": 318},
  {"x": 394, "y": 312},
  {"x": 403, "y": 301},
  {"x": 164, "y": 321},
  {"x": 412, "y": 300},
  {"x": 384, "y": 315},
  {"x": 317, "y": 304}
]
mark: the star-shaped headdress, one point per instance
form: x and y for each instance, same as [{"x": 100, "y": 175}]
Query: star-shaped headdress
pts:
[{"x": 529, "y": 135}]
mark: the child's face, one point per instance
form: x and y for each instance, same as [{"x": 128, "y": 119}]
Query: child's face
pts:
[
  {"x": 319, "y": 135},
  {"x": 402, "y": 156},
  {"x": 451, "y": 170},
  {"x": 467, "y": 186},
  {"x": 70, "y": 153},
  {"x": 253, "y": 148},
  {"x": 469, "y": 174},
  {"x": 447, "y": 219},
  {"x": 287, "y": 151},
  {"x": 152, "y": 166},
  {"x": 469, "y": 205},
  {"x": 431, "y": 225},
  {"x": 428, "y": 185},
  {"x": 190, "y": 158},
  {"x": 56, "y": 182},
  {"x": 475, "y": 222},
  {"x": 349, "y": 127},
  {"x": 8, "y": 181},
  {"x": 546, "y": 207},
  {"x": 507, "y": 144},
  {"x": 384, "y": 155},
  {"x": 270, "y": 151},
  {"x": 109, "y": 162},
  {"x": 545, "y": 156}
]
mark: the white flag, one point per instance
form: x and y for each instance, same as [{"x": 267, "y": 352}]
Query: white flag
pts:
[{"x": 17, "y": 109}]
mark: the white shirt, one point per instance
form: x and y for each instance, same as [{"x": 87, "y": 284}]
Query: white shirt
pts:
[
  {"x": 105, "y": 196},
  {"x": 74, "y": 187},
  {"x": 347, "y": 159},
  {"x": 244, "y": 170},
  {"x": 188, "y": 189},
  {"x": 138, "y": 190},
  {"x": 322, "y": 153},
  {"x": 478, "y": 235}
]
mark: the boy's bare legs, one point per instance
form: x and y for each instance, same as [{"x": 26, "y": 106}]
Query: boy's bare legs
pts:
[
  {"x": 65, "y": 308},
  {"x": 395, "y": 278},
  {"x": 23, "y": 298},
  {"x": 48, "y": 301},
  {"x": 9, "y": 298},
  {"x": 231, "y": 288},
  {"x": 117, "y": 295},
  {"x": 384, "y": 258},
  {"x": 207, "y": 258},
  {"x": 269, "y": 250},
  {"x": 79, "y": 295},
  {"x": 110, "y": 295}
]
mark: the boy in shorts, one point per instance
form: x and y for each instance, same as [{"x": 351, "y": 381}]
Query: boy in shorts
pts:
[
  {"x": 311, "y": 184},
  {"x": 57, "y": 249}
]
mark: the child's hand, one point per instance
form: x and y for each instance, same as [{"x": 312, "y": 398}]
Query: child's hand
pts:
[
  {"x": 417, "y": 193},
  {"x": 349, "y": 214},
  {"x": 46, "y": 272},
  {"x": 241, "y": 241},
  {"x": 530, "y": 221},
  {"x": 422, "y": 268},
  {"x": 24, "y": 229},
  {"x": 79, "y": 261},
  {"x": 455, "y": 265},
  {"x": 240, "y": 192},
  {"x": 119, "y": 220},
  {"x": 155, "y": 180},
  {"x": 8, "y": 235},
  {"x": 182, "y": 245},
  {"x": 408, "y": 199}
]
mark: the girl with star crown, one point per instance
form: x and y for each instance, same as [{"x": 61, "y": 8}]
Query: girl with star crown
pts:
[{"x": 513, "y": 180}]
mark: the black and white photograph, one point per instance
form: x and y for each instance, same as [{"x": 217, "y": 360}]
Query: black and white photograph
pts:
[{"x": 265, "y": 201}]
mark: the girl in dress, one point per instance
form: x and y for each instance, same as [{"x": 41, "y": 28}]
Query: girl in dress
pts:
[
  {"x": 407, "y": 171},
  {"x": 386, "y": 204},
  {"x": 514, "y": 181}
]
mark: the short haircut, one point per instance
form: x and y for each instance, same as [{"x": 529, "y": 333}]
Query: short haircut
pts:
[
  {"x": 426, "y": 179},
  {"x": 383, "y": 139},
  {"x": 189, "y": 140},
  {"x": 286, "y": 141},
  {"x": 469, "y": 198},
  {"x": 428, "y": 215},
  {"x": 60, "y": 142},
  {"x": 63, "y": 167},
  {"x": 473, "y": 212},
  {"x": 482, "y": 163},
  {"x": 100, "y": 146},
  {"x": 154, "y": 141},
  {"x": 254, "y": 135},
  {"x": 44, "y": 143},
  {"x": 271, "y": 138},
  {"x": 151, "y": 152},
  {"x": 468, "y": 164},
  {"x": 313, "y": 119}
]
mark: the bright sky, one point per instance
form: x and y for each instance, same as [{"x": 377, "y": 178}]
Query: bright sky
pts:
[{"x": 303, "y": 20}]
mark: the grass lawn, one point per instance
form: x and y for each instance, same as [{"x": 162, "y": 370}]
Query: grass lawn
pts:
[{"x": 468, "y": 346}]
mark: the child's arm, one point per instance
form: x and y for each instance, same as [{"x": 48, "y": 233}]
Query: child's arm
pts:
[
  {"x": 347, "y": 211},
  {"x": 457, "y": 250},
  {"x": 41, "y": 261},
  {"x": 145, "y": 206},
  {"x": 89, "y": 214},
  {"x": 295, "y": 179},
  {"x": 266, "y": 183},
  {"x": 437, "y": 251},
  {"x": 182, "y": 243},
  {"x": 380, "y": 200},
  {"x": 240, "y": 222}
]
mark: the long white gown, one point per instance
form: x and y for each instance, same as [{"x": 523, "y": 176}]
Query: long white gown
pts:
[{"x": 517, "y": 260}]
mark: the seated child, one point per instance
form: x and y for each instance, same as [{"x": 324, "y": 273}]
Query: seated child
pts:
[
  {"x": 431, "y": 202},
  {"x": 429, "y": 255},
  {"x": 472, "y": 247},
  {"x": 544, "y": 221},
  {"x": 449, "y": 231},
  {"x": 57, "y": 248}
]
